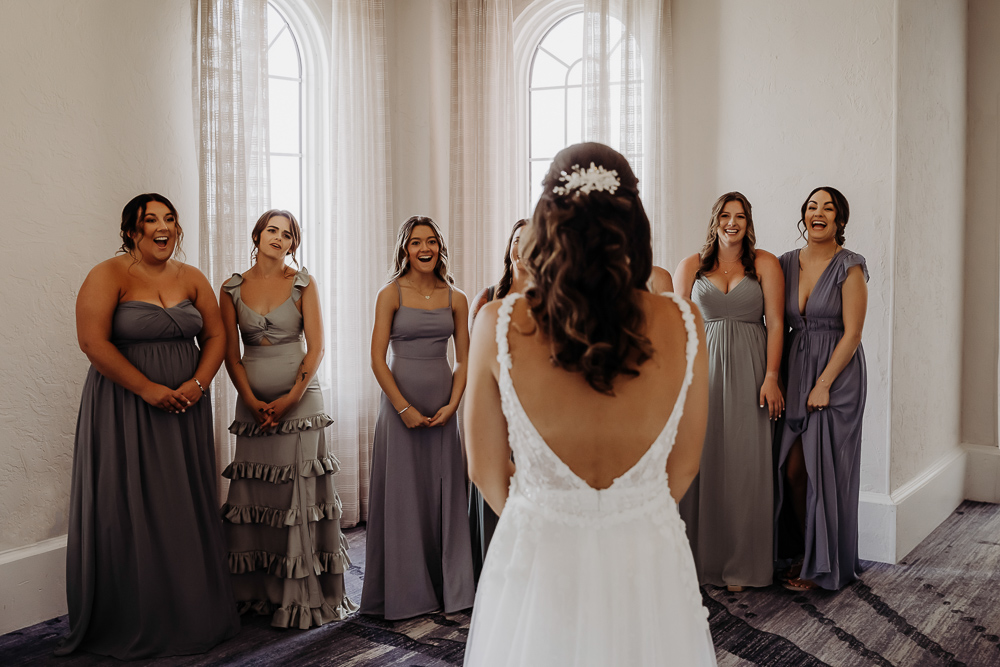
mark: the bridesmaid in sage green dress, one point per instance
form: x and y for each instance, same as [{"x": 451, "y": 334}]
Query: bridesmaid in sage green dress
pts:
[{"x": 740, "y": 290}]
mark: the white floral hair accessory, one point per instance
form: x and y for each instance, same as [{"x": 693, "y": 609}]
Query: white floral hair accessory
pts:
[{"x": 586, "y": 181}]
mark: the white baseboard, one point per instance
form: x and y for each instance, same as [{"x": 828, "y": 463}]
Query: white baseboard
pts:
[
  {"x": 32, "y": 584},
  {"x": 891, "y": 525},
  {"x": 982, "y": 474}
]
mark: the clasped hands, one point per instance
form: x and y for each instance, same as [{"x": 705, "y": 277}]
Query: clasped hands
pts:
[
  {"x": 413, "y": 419},
  {"x": 269, "y": 414},
  {"x": 173, "y": 401}
]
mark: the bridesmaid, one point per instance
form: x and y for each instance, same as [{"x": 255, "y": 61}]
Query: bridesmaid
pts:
[
  {"x": 819, "y": 458},
  {"x": 482, "y": 519},
  {"x": 286, "y": 552},
  {"x": 145, "y": 563},
  {"x": 419, "y": 557},
  {"x": 729, "y": 508}
]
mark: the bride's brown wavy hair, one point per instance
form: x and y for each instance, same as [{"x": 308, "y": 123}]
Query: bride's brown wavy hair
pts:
[{"x": 588, "y": 255}]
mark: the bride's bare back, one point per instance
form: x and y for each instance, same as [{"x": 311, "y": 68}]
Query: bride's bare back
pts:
[{"x": 600, "y": 437}]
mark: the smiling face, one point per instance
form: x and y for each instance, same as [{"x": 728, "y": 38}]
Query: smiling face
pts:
[
  {"x": 820, "y": 217},
  {"x": 732, "y": 224},
  {"x": 515, "y": 255},
  {"x": 422, "y": 249},
  {"x": 155, "y": 234},
  {"x": 276, "y": 238}
]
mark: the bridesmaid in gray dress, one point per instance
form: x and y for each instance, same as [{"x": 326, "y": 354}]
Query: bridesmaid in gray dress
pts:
[
  {"x": 418, "y": 551},
  {"x": 145, "y": 562},
  {"x": 824, "y": 365},
  {"x": 729, "y": 507},
  {"x": 287, "y": 554}
]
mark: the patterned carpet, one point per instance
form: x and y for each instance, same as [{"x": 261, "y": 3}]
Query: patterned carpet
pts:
[{"x": 941, "y": 606}]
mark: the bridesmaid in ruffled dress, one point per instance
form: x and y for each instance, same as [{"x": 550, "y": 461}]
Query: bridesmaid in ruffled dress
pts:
[{"x": 287, "y": 554}]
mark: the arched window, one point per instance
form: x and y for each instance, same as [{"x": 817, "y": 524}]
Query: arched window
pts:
[
  {"x": 285, "y": 81},
  {"x": 555, "y": 95}
]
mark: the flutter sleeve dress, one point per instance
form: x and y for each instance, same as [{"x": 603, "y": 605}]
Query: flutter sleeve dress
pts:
[
  {"x": 831, "y": 438},
  {"x": 287, "y": 554}
]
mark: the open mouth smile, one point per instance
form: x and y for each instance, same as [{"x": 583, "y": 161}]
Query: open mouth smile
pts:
[{"x": 161, "y": 241}]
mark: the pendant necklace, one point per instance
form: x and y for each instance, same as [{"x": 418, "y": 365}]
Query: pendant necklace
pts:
[
  {"x": 426, "y": 296},
  {"x": 728, "y": 261}
]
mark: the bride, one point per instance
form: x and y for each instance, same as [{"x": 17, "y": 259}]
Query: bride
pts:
[{"x": 599, "y": 387}]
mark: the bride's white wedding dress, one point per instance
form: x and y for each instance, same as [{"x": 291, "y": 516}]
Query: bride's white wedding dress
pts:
[{"x": 580, "y": 576}]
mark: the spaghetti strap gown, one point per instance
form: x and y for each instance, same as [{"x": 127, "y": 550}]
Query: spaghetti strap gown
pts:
[
  {"x": 729, "y": 508},
  {"x": 145, "y": 562},
  {"x": 831, "y": 438},
  {"x": 287, "y": 554},
  {"x": 580, "y": 576},
  {"x": 418, "y": 550}
]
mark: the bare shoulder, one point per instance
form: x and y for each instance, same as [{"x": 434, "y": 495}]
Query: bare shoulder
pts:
[
  {"x": 388, "y": 295},
  {"x": 689, "y": 263},
  {"x": 765, "y": 258},
  {"x": 459, "y": 297},
  {"x": 111, "y": 274}
]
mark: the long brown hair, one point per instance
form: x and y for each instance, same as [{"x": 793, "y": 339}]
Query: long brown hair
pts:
[
  {"x": 589, "y": 256},
  {"x": 401, "y": 259},
  {"x": 261, "y": 225},
  {"x": 710, "y": 251},
  {"x": 507, "y": 279}
]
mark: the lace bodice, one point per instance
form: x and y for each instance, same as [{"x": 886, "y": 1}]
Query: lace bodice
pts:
[{"x": 545, "y": 481}]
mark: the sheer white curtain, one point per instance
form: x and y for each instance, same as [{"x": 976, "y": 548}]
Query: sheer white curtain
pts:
[
  {"x": 635, "y": 115},
  {"x": 357, "y": 243},
  {"x": 483, "y": 124},
  {"x": 231, "y": 115}
]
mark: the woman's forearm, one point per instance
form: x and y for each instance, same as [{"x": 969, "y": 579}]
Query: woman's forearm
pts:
[
  {"x": 842, "y": 355},
  {"x": 213, "y": 352},
  {"x": 112, "y": 364},
  {"x": 388, "y": 384},
  {"x": 306, "y": 373}
]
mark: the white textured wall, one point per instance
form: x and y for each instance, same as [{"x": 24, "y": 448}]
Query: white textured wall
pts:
[
  {"x": 982, "y": 233},
  {"x": 96, "y": 108},
  {"x": 418, "y": 46},
  {"x": 775, "y": 98},
  {"x": 928, "y": 252}
]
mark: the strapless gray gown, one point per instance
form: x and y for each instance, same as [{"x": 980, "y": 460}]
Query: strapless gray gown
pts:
[
  {"x": 419, "y": 552},
  {"x": 287, "y": 553},
  {"x": 728, "y": 510},
  {"x": 146, "y": 572},
  {"x": 831, "y": 438}
]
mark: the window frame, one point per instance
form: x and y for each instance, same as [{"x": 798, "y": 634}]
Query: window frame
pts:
[{"x": 311, "y": 30}]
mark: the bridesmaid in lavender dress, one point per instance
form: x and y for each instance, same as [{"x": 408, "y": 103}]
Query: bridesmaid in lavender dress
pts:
[
  {"x": 824, "y": 365},
  {"x": 418, "y": 549}
]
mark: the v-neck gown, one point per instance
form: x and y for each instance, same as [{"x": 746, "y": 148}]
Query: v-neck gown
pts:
[
  {"x": 145, "y": 561},
  {"x": 729, "y": 508},
  {"x": 831, "y": 438},
  {"x": 418, "y": 550},
  {"x": 287, "y": 554},
  {"x": 583, "y": 576}
]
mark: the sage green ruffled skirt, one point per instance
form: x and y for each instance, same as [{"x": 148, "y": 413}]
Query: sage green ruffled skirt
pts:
[{"x": 287, "y": 553}]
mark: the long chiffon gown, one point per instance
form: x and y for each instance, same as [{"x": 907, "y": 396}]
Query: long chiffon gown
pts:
[
  {"x": 418, "y": 551},
  {"x": 729, "y": 508},
  {"x": 580, "y": 576},
  {"x": 145, "y": 562},
  {"x": 287, "y": 554},
  {"x": 831, "y": 438}
]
